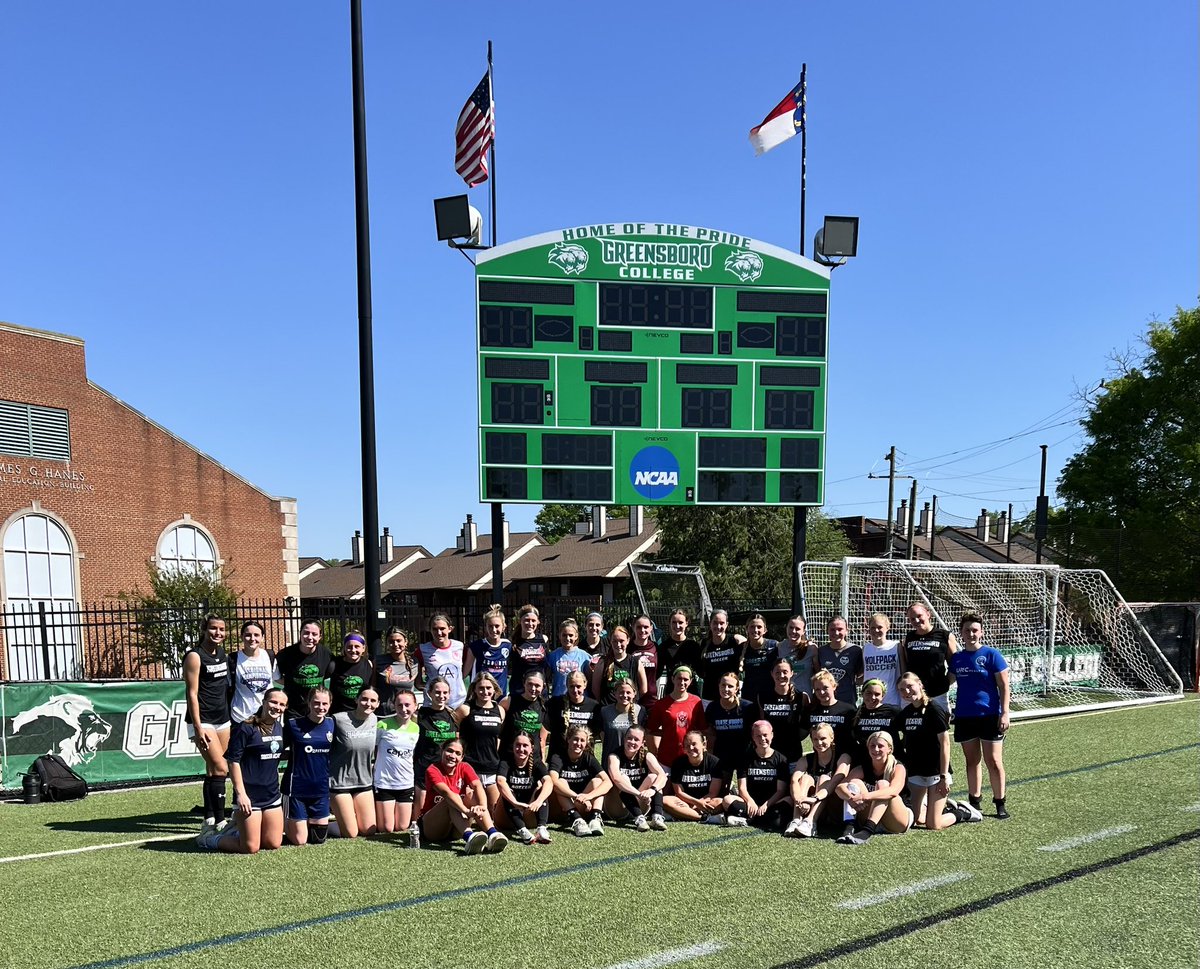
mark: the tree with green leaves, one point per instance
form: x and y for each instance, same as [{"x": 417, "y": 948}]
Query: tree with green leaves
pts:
[
  {"x": 555, "y": 520},
  {"x": 746, "y": 553},
  {"x": 1131, "y": 496},
  {"x": 169, "y": 615}
]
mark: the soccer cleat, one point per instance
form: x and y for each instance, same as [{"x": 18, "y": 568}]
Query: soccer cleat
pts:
[
  {"x": 640, "y": 823},
  {"x": 496, "y": 843},
  {"x": 476, "y": 843},
  {"x": 525, "y": 836},
  {"x": 715, "y": 819},
  {"x": 793, "y": 829},
  {"x": 658, "y": 822},
  {"x": 542, "y": 835},
  {"x": 851, "y": 839},
  {"x": 806, "y": 828},
  {"x": 973, "y": 813},
  {"x": 597, "y": 825},
  {"x": 733, "y": 821},
  {"x": 579, "y": 828}
]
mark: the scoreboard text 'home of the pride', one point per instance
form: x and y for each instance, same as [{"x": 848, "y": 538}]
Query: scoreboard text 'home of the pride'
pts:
[{"x": 651, "y": 364}]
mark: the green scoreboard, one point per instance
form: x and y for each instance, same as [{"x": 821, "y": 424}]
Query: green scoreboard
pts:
[{"x": 649, "y": 363}]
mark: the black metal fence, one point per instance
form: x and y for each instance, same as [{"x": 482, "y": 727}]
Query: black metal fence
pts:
[{"x": 120, "y": 641}]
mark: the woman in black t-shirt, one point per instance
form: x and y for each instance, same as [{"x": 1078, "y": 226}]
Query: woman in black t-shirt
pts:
[
  {"x": 525, "y": 789},
  {"x": 638, "y": 781},
  {"x": 873, "y": 714},
  {"x": 720, "y": 653},
  {"x": 827, "y": 708},
  {"x": 618, "y": 665},
  {"x": 697, "y": 789},
  {"x": 352, "y": 673},
  {"x": 783, "y": 707},
  {"x": 437, "y": 724},
  {"x": 573, "y": 708},
  {"x": 926, "y": 652},
  {"x": 729, "y": 720},
  {"x": 762, "y": 782},
  {"x": 526, "y": 711},
  {"x": 872, "y": 792},
  {"x": 480, "y": 722},
  {"x": 580, "y": 784},
  {"x": 813, "y": 784}
]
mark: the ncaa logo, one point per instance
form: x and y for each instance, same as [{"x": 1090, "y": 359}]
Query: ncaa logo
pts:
[{"x": 654, "y": 472}]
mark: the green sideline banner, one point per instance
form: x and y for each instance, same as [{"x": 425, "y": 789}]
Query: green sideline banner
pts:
[{"x": 107, "y": 732}]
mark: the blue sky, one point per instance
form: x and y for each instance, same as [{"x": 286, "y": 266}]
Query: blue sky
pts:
[{"x": 176, "y": 188}]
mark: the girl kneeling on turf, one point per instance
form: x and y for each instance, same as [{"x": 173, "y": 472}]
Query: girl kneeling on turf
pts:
[
  {"x": 638, "y": 781},
  {"x": 872, "y": 793},
  {"x": 455, "y": 803},
  {"x": 255, "y": 747},
  {"x": 580, "y": 784},
  {"x": 813, "y": 784}
]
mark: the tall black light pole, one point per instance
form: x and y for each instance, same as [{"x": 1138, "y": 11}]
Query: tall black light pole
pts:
[{"x": 366, "y": 353}]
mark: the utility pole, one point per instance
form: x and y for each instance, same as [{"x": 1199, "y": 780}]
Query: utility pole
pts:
[
  {"x": 932, "y": 528},
  {"x": 890, "y": 457},
  {"x": 912, "y": 514},
  {"x": 1043, "y": 510}
]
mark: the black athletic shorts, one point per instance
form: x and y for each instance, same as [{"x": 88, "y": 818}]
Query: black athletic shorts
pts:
[
  {"x": 403, "y": 795},
  {"x": 978, "y": 728}
]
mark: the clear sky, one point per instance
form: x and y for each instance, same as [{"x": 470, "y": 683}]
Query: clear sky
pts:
[{"x": 176, "y": 188}]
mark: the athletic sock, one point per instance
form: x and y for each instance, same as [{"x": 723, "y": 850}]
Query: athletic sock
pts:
[
  {"x": 491, "y": 831},
  {"x": 571, "y": 817},
  {"x": 218, "y": 797},
  {"x": 976, "y": 801},
  {"x": 206, "y": 792},
  {"x": 1001, "y": 810}
]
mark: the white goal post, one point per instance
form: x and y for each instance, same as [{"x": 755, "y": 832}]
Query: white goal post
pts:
[{"x": 1071, "y": 640}]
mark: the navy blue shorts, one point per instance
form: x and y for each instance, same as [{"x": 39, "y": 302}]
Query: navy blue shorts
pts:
[{"x": 314, "y": 807}]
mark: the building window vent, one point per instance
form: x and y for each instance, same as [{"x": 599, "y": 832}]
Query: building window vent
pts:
[{"x": 32, "y": 431}]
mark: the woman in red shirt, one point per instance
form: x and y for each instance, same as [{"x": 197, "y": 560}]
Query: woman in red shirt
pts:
[
  {"x": 673, "y": 716},
  {"x": 455, "y": 803}
]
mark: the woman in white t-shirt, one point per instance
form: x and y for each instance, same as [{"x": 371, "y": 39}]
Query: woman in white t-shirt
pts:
[
  {"x": 253, "y": 673},
  {"x": 443, "y": 656},
  {"x": 881, "y": 658}
]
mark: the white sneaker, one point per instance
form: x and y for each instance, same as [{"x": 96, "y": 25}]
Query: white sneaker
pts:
[
  {"x": 542, "y": 835},
  {"x": 476, "y": 843},
  {"x": 793, "y": 829},
  {"x": 496, "y": 843},
  {"x": 733, "y": 821},
  {"x": 640, "y": 823},
  {"x": 525, "y": 836},
  {"x": 579, "y": 828},
  {"x": 597, "y": 825},
  {"x": 658, "y": 822},
  {"x": 806, "y": 828},
  {"x": 715, "y": 819}
]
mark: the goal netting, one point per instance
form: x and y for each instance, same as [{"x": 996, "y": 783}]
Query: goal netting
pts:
[
  {"x": 662, "y": 589},
  {"x": 1071, "y": 641}
]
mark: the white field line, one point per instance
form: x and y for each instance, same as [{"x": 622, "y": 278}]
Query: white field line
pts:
[
  {"x": 672, "y": 956},
  {"x": 1191, "y": 807},
  {"x": 115, "y": 844},
  {"x": 901, "y": 890},
  {"x": 1082, "y": 839}
]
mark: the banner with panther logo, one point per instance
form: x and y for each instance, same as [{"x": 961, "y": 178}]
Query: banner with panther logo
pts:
[{"x": 107, "y": 732}]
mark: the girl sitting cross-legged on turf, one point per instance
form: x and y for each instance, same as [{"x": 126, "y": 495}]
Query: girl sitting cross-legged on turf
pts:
[
  {"x": 871, "y": 793},
  {"x": 255, "y": 747},
  {"x": 763, "y": 782},
  {"x": 638, "y": 781},
  {"x": 923, "y": 731},
  {"x": 813, "y": 784},
  {"x": 455, "y": 803},
  {"x": 579, "y": 784},
  {"x": 525, "y": 789},
  {"x": 873, "y": 714},
  {"x": 698, "y": 790}
]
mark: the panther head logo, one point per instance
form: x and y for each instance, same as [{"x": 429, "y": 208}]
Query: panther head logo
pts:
[
  {"x": 569, "y": 257},
  {"x": 747, "y": 266},
  {"x": 70, "y": 726}
]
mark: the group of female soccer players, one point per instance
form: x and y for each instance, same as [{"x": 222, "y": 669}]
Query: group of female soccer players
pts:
[{"x": 504, "y": 733}]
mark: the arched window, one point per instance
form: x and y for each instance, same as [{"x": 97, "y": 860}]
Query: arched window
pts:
[
  {"x": 39, "y": 576},
  {"x": 186, "y": 547}
]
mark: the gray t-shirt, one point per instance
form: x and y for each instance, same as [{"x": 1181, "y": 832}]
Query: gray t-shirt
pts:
[
  {"x": 615, "y": 726},
  {"x": 353, "y": 749}
]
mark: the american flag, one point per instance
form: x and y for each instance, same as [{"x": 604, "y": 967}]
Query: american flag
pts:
[{"x": 474, "y": 133}]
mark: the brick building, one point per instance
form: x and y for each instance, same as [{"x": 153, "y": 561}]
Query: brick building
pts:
[{"x": 92, "y": 492}]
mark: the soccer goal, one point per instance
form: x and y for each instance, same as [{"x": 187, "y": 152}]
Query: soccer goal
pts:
[
  {"x": 1071, "y": 641},
  {"x": 662, "y": 589}
]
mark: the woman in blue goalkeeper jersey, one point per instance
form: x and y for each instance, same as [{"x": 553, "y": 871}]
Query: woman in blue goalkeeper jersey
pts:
[{"x": 307, "y": 741}]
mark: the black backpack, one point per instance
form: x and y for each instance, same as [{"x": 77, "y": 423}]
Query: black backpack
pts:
[{"x": 59, "y": 782}]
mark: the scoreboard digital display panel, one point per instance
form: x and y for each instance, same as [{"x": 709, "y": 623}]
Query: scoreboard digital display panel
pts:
[{"x": 648, "y": 364}]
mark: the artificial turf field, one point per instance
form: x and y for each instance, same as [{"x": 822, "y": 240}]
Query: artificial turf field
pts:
[{"x": 984, "y": 895}]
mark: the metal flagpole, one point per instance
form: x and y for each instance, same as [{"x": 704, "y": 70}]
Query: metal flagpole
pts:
[
  {"x": 497, "y": 507},
  {"x": 800, "y": 512}
]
